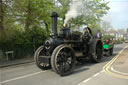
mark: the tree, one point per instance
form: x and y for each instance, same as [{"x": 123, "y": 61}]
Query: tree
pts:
[
  {"x": 91, "y": 12},
  {"x": 1, "y": 15},
  {"x": 98, "y": 9},
  {"x": 6, "y": 18},
  {"x": 4, "y": 6},
  {"x": 31, "y": 13},
  {"x": 63, "y": 8}
]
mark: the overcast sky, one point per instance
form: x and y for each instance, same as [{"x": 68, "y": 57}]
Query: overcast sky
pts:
[{"x": 118, "y": 13}]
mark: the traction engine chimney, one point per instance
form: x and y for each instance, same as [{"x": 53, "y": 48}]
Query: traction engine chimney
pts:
[{"x": 54, "y": 24}]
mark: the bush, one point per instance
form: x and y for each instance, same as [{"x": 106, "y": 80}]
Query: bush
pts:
[
  {"x": 118, "y": 41},
  {"x": 122, "y": 39},
  {"x": 107, "y": 37},
  {"x": 23, "y": 43}
]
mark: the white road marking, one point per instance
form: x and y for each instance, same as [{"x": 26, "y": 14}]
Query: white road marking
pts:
[
  {"x": 21, "y": 77},
  {"x": 91, "y": 77},
  {"x": 96, "y": 74},
  {"x": 118, "y": 71},
  {"x": 102, "y": 71},
  {"x": 87, "y": 80}
]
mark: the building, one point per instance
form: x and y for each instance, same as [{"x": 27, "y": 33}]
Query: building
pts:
[{"x": 117, "y": 34}]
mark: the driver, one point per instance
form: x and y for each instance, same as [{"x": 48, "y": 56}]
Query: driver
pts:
[{"x": 87, "y": 37}]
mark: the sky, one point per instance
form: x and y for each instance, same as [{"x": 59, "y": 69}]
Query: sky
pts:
[{"x": 118, "y": 14}]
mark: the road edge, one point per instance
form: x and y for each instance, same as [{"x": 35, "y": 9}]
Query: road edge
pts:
[{"x": 107, "y": 67}]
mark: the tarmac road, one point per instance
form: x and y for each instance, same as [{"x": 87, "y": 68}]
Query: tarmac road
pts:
[{"x": 85, "y": 74}]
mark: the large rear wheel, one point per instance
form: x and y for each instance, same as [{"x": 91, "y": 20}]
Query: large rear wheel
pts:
[
  {"x": 111, "y": 51},
  {"x": 98, "y": 52},
  {"x": 63, "y": 60}
]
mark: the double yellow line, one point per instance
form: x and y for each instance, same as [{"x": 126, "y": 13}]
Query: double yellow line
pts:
[{"x": 107, "y": 67}]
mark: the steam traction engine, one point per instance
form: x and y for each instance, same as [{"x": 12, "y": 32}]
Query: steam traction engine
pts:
[{"x": 61, "y": 51}]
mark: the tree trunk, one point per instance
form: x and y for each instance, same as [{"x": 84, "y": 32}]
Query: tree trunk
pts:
[
  {"x": 28, "y": 16},
  {"x": 1, "y": 16}
]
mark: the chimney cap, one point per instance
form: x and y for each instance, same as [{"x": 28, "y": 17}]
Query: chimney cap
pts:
[{"x": 54, "y": 14}]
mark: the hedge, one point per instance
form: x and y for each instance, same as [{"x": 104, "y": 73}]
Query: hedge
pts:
[{"x": 22, "y": 42}]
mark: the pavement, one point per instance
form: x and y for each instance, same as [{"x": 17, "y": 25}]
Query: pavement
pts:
[
  {"x": 84, "y": 74},
  {"x": 7, "y": 63},
  {"x": 121, "y": 64}
]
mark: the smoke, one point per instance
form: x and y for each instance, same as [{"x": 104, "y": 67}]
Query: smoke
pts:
[
  {"x": 77, "y": 8},
  {"x": 74, "y": 11},
  {"x": 106, "y": 22}
]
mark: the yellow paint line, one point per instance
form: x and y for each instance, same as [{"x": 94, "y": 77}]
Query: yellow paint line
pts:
[{"x": 107, "y": 67}]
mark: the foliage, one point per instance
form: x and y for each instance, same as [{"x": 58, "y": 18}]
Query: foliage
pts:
[
  {"x": 95, "y": 28},
  {"x": 98, "y": 9},
  {"x": 107, "y": 37},
  {"x": 23, "y": 43},
  {"x": 118, "y": 41}
]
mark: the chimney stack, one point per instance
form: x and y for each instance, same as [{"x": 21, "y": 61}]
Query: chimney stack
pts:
[{"x": 54, "y": 23}]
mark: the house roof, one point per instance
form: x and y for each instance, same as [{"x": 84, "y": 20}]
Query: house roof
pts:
[
  {"x": 121, "y": 31},
  {"x": 112, "y": 31}
]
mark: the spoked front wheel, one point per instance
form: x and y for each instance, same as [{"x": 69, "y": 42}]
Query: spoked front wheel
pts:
[
  {"x": 42, "y": 59},
  {"x": 63, "y": 60}
]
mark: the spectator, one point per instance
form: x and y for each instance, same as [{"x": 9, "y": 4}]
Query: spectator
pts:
[{"x": 99, "y": 34}]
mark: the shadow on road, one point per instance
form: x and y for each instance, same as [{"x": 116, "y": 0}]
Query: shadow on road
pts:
[{"x": 80, "y": 66}]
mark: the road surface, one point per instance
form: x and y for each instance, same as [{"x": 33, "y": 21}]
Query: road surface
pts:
[{"x": 85, "y": 74}]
